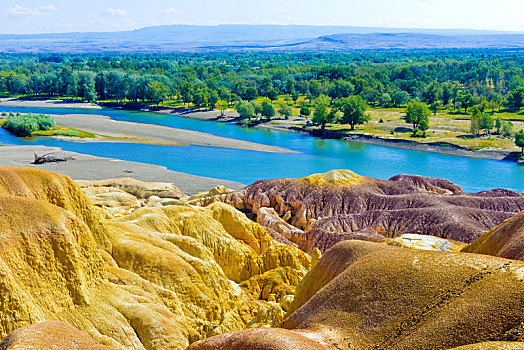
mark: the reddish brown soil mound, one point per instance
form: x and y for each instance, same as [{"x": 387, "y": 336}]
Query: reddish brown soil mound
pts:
[
  {"x": 50, "y": 335},
  {"x": 341, "y": 205},
  {"x": 259, "y": 339}
]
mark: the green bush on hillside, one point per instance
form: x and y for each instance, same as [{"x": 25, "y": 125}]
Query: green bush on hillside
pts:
[{"x": 24, "y": 125}]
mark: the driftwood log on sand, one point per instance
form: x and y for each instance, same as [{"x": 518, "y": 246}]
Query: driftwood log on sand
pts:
[{"x": 52, "y": 157}]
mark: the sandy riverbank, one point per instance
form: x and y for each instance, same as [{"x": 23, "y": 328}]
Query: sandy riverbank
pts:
[
  {"x": 215, "y": 115},
  {"x": 14, "y": 102},
  {"x": 121, "y": 131},
  {"x": 86, "y": 167},
  {"x": 109, "y": 130}
]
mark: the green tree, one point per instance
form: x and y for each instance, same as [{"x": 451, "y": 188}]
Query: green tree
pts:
[
  {"x": 265, "y": 85},
  {"x": 498, "y": 100},
  {"x": 222, "y": 105},
  {"x": 157, "y": 92},
  {"x": 86, "y": 86},
  {"x": 417, "y": 113},
  {"x": 212, "y": 99},
  {"x": 475, "y": 121},
  {"x": 400, "y": 98},
  {"x": 423, "y": 126},
  {"x": 436, "y": 106},
  {"x": 340, "y": 88},
  {"x": 483, "y": 105},
  {"x": 385, "y": 99},
  {"x": 268, "y": 110},
  {"x": 466, "y": 100},
  {"x": 257, "y": 107},
  {"x": 516, "y": 98},
  {"x": 272, "y": 94},
  {"x": 507, "y": 128},
  {"x": 303, "y": 86},
  {"x": 245, "y": 109},
  {"x": 315, "y": 89},
  {"x": 498, "y": 124},
  {"x": 251, "y": 93},
  {"x": 295, "y": 95},
  {"x": 519, "y": 140},
  {"x": 117, "y": 86},
  {"x": 353, "y": 111},
  {"x": 186, "y": 91},
  {"x": 88, "y": 92},
  {"x": 290, "y": 86},
  {"x": 199, "y": 98},
  {"x": 493, "y": 105},
  {"x": 486, "y": 122},
  {"x": 322, "y": 115},
  {"x": 224, "y": 94},
  {"x": 69, "y": 81},
  {"x": 370, "y": 94},
  {"x": 305, "y": 111},
  {"x": 285, "y": 110}
]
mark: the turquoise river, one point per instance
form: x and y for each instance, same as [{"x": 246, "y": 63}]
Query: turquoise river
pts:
[{"x": 316, "y": 155}]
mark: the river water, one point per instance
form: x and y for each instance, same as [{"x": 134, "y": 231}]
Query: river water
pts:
[{"x": 317, "y": 155}]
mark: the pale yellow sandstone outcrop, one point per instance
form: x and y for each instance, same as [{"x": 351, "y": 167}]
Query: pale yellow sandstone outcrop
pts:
[
  {"x": 156, "y": 278},
  {"x": 55, "y": 189},
  {"x": 334, "y": 177},
  {"x": 138, "y": 188},
  {"x": 218, "y": 232},
  {"x": 111, "y": 197},
  {"x": 215, "y": 191}
]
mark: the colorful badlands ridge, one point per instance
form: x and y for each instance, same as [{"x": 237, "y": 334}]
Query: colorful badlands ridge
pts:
[{"x": 129, "y": 265}]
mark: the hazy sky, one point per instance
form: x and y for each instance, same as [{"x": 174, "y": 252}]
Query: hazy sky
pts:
[{"x": 39, "y": 16}]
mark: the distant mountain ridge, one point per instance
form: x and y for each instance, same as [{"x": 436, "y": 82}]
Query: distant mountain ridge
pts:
[
  {"x": 412, "y": 41},
  {"x": 259, "y": 37}
]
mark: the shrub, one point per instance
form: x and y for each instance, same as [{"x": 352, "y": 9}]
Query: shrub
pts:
[
  {"x": 305, "y": 111},
  {"x": 24, "y": 125}
]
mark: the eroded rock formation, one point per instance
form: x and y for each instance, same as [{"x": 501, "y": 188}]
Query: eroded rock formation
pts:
[
  {"x": 364, "y": 295},
  {"x": 323, "y": 209},
  {"x": 126, "y": 270},
  {"x": 154, "y": 278}
]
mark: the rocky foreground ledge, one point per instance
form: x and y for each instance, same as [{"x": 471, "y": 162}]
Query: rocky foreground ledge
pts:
[{"x": 123, "y": 264}]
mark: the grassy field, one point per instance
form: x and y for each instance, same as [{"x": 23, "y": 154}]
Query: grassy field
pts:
[
  {"x": 64, "y": 131},
  {"x": 445, "y": 126}
]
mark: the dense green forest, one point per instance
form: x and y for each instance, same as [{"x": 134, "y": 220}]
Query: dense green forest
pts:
[
  {"x": 462, "y": 97},
  {"x": 442, "y": 79}
]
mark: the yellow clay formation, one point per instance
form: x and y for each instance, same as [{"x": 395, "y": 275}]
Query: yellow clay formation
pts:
[
  {"x": 156, "y": 278},
  {"x": 334, "y": 177}
]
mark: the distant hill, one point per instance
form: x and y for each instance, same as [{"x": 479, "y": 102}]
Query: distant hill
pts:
[
  {"x": 258, "y": 37},
  {"x": 378, "y": 41}
]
